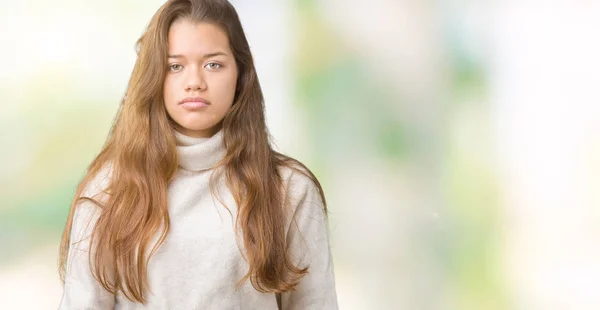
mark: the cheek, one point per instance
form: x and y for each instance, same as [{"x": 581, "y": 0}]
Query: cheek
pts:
[
  {"x": 224, "y": 90},
  {"x": 169, "y": 91},
  {"x": 231, "y": 86}
]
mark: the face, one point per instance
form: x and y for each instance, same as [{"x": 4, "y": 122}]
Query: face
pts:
[{"x": 201, "y": 77}]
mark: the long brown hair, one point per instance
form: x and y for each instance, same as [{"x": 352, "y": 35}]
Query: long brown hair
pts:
[{"x": 141, "y": 152}]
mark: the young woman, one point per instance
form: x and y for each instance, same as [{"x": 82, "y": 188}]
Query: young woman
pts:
[{"x": 187, "y": 206}]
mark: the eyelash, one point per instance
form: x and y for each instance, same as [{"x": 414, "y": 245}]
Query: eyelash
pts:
[
  {"x": 208, "y": 64},
  {"x": 215, "y": 63},
  {"x": 173, "y": 65}
]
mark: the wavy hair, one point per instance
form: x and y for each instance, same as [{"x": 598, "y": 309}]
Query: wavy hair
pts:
[{"x": 141, "y": 151}]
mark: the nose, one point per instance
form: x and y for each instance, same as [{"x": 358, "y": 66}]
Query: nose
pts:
[{"x": 195, "y": 80}]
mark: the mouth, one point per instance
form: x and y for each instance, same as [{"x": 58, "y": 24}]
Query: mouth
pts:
[{"x": 193, "y": 103}]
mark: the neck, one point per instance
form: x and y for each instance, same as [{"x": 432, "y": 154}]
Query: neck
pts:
[{"x": 199, "y": 153}]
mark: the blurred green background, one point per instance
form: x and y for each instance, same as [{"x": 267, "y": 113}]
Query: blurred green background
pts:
[{"x": 458, "y": 142}]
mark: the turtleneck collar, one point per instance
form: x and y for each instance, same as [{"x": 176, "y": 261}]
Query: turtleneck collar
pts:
[{"x": 198, "y": 154}]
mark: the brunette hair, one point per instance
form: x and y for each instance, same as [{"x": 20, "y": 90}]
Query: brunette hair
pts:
[{"x": 141, "y": 151}]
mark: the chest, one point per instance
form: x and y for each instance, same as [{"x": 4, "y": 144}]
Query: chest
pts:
[{"x": 201, "y": 246}]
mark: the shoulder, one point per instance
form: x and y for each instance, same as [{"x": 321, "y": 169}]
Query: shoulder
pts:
[
  {"x": 299, "y": 184},
  {"x": 98, "y": 183},
  {"x": 88, "y": 207},
  {"x": 296, "y": 176}
]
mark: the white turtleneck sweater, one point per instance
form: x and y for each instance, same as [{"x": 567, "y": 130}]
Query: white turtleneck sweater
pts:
[{"x": 199, "y": 263}]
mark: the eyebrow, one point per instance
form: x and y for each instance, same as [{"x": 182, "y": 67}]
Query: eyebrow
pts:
[{"x": 209, "y": 55}]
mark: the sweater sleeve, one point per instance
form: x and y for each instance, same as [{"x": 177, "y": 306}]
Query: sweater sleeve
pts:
[
  {"x": 81, "y": 290},
  {"x": 309, "y": 246}
]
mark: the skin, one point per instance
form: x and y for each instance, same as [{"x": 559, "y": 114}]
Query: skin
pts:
[{"x": 200, "y": 65}]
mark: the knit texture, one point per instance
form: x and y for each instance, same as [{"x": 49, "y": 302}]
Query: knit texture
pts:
[{"x": 200, "y": 263}]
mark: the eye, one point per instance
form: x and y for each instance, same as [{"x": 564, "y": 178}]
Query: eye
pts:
[
  {"x": 213, "y": 65},
  {"x": 175, "y": 67}
]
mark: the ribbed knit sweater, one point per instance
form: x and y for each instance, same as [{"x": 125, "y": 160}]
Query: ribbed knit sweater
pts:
[{"x": 200, "y": 262}]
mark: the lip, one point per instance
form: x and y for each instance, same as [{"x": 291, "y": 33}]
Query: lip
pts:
[{"x": 193, "y": 103}]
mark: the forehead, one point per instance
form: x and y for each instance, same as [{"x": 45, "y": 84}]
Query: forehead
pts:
[{"x": 186, "y": 37}]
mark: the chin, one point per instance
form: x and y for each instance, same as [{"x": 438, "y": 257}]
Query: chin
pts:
[
  {"x": 197, "y": 128},
  {"x": 195, "y": 125}
]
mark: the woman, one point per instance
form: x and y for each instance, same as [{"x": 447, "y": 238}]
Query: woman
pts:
[{"x": 187, "y": 206}]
